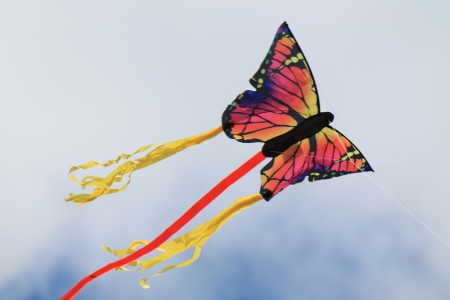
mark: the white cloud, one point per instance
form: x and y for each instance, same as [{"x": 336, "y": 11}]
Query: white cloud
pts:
[{"x": 87, "y": 80}]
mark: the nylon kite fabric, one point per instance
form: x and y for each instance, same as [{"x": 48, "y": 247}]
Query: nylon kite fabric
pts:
[
  {"x": 283, "y": 113},
  {"x": 195, "y": 238},
  {"x": 285, "y": 100},
  {"x": 172, "y": 229},
  {"x": 325, "y": 155},
  {"x": 159, "y": 152}
]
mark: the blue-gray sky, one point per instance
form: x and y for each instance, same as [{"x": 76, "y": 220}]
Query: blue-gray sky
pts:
[{"x": 92, "y": 79}]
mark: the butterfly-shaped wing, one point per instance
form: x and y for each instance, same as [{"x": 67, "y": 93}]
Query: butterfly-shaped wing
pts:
[
  {"x": 285, "y": 75},
  {"x": 289, "y": 167},
  {"x": 254, "y": 117},
  {"x": 335, "y": 156},
  {"x": 325, "y": 155},
  {"x": 285, "y": 94}
]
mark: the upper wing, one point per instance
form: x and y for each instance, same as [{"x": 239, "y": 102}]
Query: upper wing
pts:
[
  {"x": 336, "y": 156},
  {"x": 254, "y": 117},
  {"x": 325, "y": 155},
  {"x": 285, "y": 94},
  {"x": 286, "y": 76}
]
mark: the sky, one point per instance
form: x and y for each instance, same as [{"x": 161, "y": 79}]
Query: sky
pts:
[{"x": 89, "y": 80}]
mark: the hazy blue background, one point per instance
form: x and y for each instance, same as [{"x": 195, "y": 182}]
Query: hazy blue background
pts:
[{"x": 92, "y": 79}]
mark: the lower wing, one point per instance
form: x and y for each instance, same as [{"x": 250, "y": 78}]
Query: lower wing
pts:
[{"x": 325, "y": 155}]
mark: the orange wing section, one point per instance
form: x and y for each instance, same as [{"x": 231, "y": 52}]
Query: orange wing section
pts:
[
  {"x": 287, "y": 168},
  {"x": 336, "y": 156},
  {"x": 326, "y": 155},
  {"x": 285, "y": 75},
  {"x": 285, "y": 94}
]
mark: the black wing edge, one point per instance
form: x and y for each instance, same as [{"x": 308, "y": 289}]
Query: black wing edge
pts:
[{"x": 285, "y": 25}]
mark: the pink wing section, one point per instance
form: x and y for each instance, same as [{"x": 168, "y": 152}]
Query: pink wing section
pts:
[
  {"x": 336, "y": 156},
  {"x": 285, "y": 94},
  {"x": 326, "y": 155},
  {"x": 287, "y": 168},
  {"x": 254, "y": 117},
  {"x": 285, "y": 75}
]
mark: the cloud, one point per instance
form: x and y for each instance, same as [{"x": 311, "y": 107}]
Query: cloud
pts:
[{"x": 83, "y": 81}]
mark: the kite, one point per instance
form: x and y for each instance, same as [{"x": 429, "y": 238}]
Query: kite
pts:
[{"x": 283, "y": 113}]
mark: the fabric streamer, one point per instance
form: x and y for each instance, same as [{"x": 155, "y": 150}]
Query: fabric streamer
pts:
[
  {"x": 161, "y": 151},
  {"x": 195, "y": 238},
  {"x": 172, "y": 229},
  {"x": 283, "y": 113}
]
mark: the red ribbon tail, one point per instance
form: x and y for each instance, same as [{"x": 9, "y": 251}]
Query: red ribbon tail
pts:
[{"x": 177, "y": 225}]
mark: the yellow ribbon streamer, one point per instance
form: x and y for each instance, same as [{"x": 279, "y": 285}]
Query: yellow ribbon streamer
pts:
[
  {"x": 160, "y": 152},
  {"x": 195, "y": 238}
]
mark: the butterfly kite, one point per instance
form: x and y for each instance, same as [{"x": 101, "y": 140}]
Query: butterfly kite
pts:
[{"x": 283, "y": 113}]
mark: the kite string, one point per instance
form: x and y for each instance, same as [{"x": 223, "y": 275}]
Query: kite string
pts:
[
  {"x": 376, "y": 183},
  {"x": 404, "y": 207},
  {"x": 172, "y": 229},
  {"x": 390, "y": 195}
]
